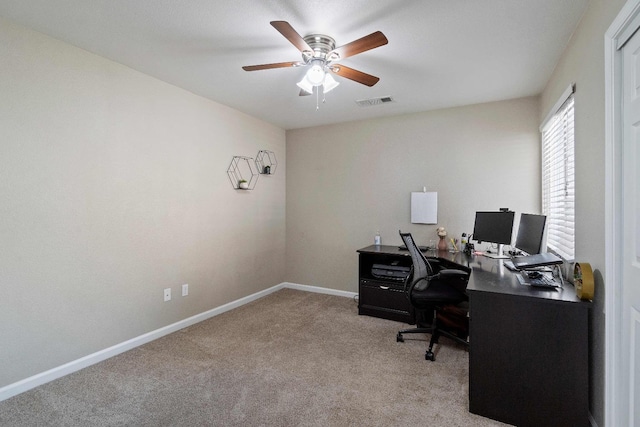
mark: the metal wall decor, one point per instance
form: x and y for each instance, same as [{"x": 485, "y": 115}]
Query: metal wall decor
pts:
[
  {"x": 266, "y": 162},
  {"x": 243, "y": 173}
]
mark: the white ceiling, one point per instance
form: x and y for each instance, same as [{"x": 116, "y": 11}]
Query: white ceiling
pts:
[{"x": 441, "y": 53}]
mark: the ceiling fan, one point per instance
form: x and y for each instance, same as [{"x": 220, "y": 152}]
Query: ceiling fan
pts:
[{"x": 321, "y": 55}]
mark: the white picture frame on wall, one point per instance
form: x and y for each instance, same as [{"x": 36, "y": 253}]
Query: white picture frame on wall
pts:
[{"x": 424, "y": 207}]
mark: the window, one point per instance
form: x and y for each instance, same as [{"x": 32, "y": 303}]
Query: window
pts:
[{"x": 558, "y": 177}]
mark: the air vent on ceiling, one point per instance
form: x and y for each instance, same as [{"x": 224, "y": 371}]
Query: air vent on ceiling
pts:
[{"x": 374, "y": 101}]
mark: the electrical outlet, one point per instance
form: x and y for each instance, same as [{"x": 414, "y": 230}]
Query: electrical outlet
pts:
[
  {"x": 185, "y": 289},
  {"x": 167, "y": 294}
]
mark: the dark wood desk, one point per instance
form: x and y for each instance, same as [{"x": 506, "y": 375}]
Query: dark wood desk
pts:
[
  {"x": 528, "y": 353},
  {"x": 384, "y": 297},
  {"x": 380, "y": 297}
]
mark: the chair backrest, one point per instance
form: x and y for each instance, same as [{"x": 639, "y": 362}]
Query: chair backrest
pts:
[{"x": 421, "y": 267}]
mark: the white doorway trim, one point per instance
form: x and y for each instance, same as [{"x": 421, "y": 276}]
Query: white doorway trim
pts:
[{"x": 622, "y": 28}]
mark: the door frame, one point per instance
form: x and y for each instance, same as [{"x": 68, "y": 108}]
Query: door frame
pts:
[{"x": 621, "y": 29}]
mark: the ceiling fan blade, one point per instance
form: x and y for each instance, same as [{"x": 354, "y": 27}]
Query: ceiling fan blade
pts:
[
  {"x": 292, "y": 35},
  {"x": 363, "y": 44},
  {"x": 269, "y": 66},
  {"x": 303, "y": 93},
  {"x": 355, "y": 75}
]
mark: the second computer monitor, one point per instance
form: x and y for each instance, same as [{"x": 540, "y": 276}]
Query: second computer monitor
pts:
[
  {"x": 494, "y": 227},
  {"x": 530, "y": 233}
]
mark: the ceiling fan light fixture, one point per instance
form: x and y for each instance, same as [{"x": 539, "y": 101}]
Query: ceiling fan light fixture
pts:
[
  {"x": 316, "y": 74},
  {"x": 329, "y": 83},
  {"x": 305, "y": 85}
]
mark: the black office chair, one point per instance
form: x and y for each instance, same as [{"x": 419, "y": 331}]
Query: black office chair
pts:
[{"x": 438, "y": 295}]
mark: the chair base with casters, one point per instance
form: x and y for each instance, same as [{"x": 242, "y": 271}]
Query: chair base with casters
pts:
[
  {"x": 436, "y": 290},
  {"x": 450, "y": 321}
]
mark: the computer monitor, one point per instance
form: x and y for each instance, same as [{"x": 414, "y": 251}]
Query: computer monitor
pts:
[
  {"x": 494, "y": 227},
  {"x": 530, "y": 233}
]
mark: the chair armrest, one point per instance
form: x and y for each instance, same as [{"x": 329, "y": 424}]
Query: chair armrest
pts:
[
  {"x": 457, "y": 279},
  {"x": 449, "y": 273}
]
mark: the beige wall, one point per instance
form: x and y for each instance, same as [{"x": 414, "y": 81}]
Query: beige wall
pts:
[
  {"x": 583, "y": 63},
  {"x": 114, "y": 187},
  {"x": 346, "y": 181}
]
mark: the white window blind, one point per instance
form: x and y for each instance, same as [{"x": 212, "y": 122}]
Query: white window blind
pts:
[{"x": 558, "y": 179}]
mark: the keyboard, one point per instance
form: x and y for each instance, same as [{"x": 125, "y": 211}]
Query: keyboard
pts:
[
  {"x": 541, "y": 281},
  {"x": 422, "y": 248}
]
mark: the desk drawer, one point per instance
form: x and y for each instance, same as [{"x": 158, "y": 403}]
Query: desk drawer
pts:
[{"x": 384, "y": 299}]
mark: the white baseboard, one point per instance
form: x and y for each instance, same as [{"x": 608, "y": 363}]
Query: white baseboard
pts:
[
  {"x": 319, "y": 290},
  {"x": 52, "y": 374}
]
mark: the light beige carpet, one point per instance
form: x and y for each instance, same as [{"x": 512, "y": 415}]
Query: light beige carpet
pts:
[{"x": 292, "y": 358}]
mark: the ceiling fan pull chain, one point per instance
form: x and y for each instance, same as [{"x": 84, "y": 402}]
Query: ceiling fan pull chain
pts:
[{"x": 317, "y": 98}]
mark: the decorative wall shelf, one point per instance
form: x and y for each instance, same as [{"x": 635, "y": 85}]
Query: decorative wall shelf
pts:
[
  {"x": 266, "y": 162},
  {"x": 243, "y": 173}
]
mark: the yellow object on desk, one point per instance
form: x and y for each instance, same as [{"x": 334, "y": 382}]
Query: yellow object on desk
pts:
[{"x": 583, "y": 280}]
